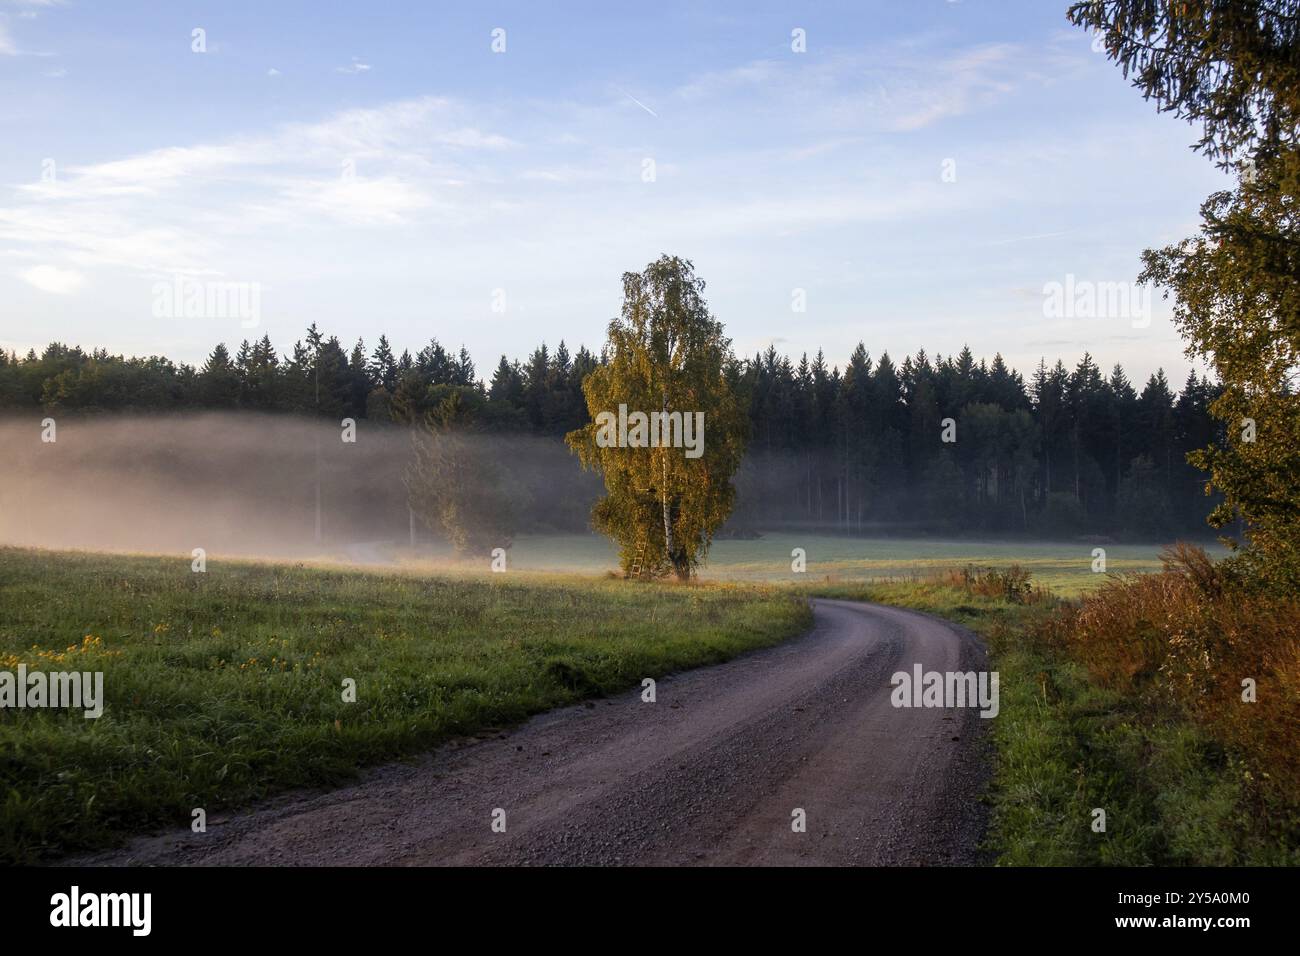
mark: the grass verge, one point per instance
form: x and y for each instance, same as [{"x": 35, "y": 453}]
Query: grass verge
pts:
[{"x": 1067, "y": 745}]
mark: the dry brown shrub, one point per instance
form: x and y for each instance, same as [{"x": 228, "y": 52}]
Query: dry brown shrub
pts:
[{"x": 1190, "y": 636}]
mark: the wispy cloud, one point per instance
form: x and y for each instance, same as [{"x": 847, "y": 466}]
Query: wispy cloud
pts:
[
  {"x": 177, "y": 208},
  {"x": 53, "y": 280},
  {"x": 9, "y": 46},
  {"x": 356, "y": 66},
  {"x": 957, "y": 85},
  {"x": 28, "y": 9},
  {"x": 899, "y": 88},
  {"x": 431, "y": 161}
]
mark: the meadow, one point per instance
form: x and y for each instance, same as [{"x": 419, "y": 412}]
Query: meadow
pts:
[
  {"x": 226, "y": 686},
  {"x": 1064, "y": 567}
]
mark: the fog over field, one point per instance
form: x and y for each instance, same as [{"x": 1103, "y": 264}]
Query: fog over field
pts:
[{"x": 242, "y": 484}]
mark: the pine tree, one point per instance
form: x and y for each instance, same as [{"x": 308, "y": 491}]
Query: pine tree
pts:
[
  {"x": 383, "y": 367},
  {"x": 219, "y": 379},
  {"x": 507, "y": 384},
  {"x": 359, "y": 380}
]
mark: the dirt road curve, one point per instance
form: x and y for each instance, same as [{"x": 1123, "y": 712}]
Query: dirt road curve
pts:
[{"x": 708, "y": 774}]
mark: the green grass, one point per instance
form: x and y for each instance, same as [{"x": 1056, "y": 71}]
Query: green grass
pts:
[
  {"x": 1063, "y": 566},
  {"x": 226, "y": 686},
  {"x": 1065, "y": 746}
]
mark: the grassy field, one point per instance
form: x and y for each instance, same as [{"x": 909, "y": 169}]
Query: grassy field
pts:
[
  {"x": 225, "y": 686},
  {"x": 1063, "y": 566}
]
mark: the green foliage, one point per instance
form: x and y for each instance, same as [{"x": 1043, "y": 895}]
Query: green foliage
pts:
[
  {"x": 1013, "y": 584},
  {"x": 1232, "y": 66},
  {"x": 666, "y": 354},
  {"x": 1229, "y": 64},
  {"x": 1237, "y": 288}
]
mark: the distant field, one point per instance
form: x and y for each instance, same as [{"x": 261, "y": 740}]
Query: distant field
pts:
[
  {"x": 225, "y": 686},
  {"x": 1063, "y": 566}
]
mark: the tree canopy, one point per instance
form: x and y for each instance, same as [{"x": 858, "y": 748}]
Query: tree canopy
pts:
[
  {"x": 666, "y": 356},
  {"x": 1233, "y": 66}
]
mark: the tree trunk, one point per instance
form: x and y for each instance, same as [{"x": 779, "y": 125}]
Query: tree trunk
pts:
[{"x": 663, "y": 494}]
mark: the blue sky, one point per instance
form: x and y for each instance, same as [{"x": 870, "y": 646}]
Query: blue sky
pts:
[{"x": 378, "y": 168}]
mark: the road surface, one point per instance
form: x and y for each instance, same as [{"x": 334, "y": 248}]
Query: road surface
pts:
[{"x": 711, "y": 773}]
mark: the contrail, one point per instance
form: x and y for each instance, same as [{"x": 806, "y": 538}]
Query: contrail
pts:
[{"x": 639, "y": 103}]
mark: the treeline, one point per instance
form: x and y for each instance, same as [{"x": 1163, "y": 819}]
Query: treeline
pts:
[
  {"x": 319, "y": 376},
  {"x": 858, "y": 450},
  {"x": 1071, "y": 451}
]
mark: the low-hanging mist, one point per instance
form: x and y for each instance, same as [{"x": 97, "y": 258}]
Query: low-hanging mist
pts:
[{"x": 246, "y": 484}]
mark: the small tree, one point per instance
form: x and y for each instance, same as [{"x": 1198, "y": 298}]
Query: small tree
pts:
[
  {"x": 455, "y": 484},
  {"x": 665, "y": 355}
]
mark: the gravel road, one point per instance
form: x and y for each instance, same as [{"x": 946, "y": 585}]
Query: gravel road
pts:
[{"x": 708, "y": 774}]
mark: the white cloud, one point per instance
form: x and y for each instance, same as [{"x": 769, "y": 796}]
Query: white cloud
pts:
[
  {"x": 53, "y": 280},
  {"x": 192, "y": 208},
  {"x": 358, "y": 201},
  {"x": 474, "y": 139},
  {"x": 355, "y": 67}
]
